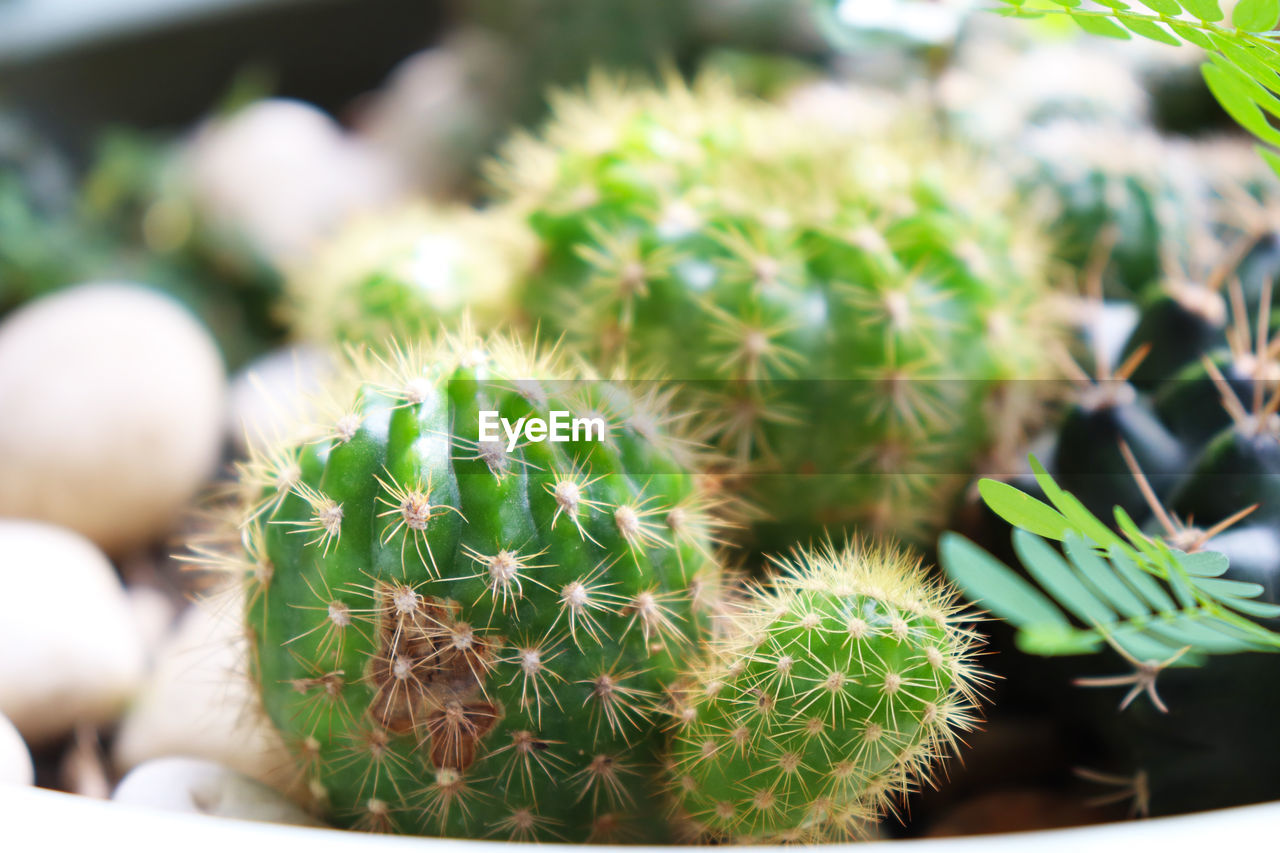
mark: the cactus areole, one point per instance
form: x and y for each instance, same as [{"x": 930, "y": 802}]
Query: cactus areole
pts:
[{"x": 469, "y": 637}]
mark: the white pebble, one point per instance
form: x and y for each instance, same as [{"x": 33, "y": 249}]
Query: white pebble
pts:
[
  {"x": 71, "y": 649},
  {"x": 15, "y": 758},
  {"x": 198, "y": 703},
  {"x": 205, "y": 787},
  {"x": 111, "y": 412},
  {"x": 153, "y": 613},
  {"x": 283, "y": 174}
]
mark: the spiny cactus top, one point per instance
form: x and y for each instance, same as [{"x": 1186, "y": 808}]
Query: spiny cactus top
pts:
[
  {"x": 467, "y": 637},
  {"x": 837, "y": 689},
  {"x": 826, "y": 286},
  {"x": 396, "y": 274}
]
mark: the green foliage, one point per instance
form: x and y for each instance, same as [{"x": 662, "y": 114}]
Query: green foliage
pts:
[
  {"x": 1126, "y": 588},
  {"x": 129, "y": 219},
  {"x": 836, "y": 689},
  {"x": 1243, "y": 70}
]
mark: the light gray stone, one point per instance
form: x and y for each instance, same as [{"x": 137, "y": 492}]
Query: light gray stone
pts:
[
  {"x": 204, "y": 787},
  {"x": 112, "y": 398},
  {"x": 73, "y": 653}
]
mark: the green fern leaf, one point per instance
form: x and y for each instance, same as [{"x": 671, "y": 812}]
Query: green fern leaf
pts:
[
  {"x": 1099, "y": 26},
  {"x": 1244, "y": 55},
  {"x": 1138, "y": 641},
  {"x": 1132, "y": 591},
  {"x": 1141, "y": 582},
  {"x": 1206, "y": 10},
  {"x": 1109, "y": 583},
  {"x": 1003, "y": 593},
  {"x": 1255, "y": 16},
  {"x": 1053, "y": 573},
  {"x": 1191, "y": 35},
  {"x": 1150, "y": 30},
  {"x": 1071, "y": 508},
  {"x": 1022, "y": 510},
  {"x": 1219, "y": 588},
  {"x": 1207, "y": 564},
  {"x": 1258, "y": 609}
]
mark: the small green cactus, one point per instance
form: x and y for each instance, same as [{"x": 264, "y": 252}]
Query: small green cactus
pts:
[
  {"x": 837, "y": 689},
  {"x": 465, "y": 637},
  {"x": 396, "y": 274},
  {"x": 851, "y": 303}
]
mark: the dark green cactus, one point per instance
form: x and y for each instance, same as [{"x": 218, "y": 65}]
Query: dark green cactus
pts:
[
  {"x": 837, "y": 689},
  {"x": 461, "y": 637},
  {"x": 851, "y": 304},
  {"x": 1114, "y": 189}
]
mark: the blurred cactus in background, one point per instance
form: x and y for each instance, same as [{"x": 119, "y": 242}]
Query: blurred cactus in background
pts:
[
  {"x": 391, "y": 277},
  {"x": 1122, "y": 195},
  {"x": 853, "y": 300}
]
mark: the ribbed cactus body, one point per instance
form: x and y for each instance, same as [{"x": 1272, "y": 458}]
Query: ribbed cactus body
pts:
[
  {"x": 460, "y": 639},
  {"x": 848, "y": 304},
  {"x": 838, "y": 688}
]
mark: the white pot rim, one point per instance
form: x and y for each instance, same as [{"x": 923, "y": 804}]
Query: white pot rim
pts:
[{"x": 38, "y": 819}]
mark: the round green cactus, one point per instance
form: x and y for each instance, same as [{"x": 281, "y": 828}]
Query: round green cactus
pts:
[
  {"x": 836, "y": 690},
  {"x": 466, "y": 637},
  {"x": 397, "y": 274},
  {"x": 850, "y": 304}
]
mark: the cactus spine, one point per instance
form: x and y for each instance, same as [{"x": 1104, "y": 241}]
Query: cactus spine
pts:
[
  {"x": 851, "y": 304},
  {"x": 461, "y": 639},
  {"x": 839, "y": 686}
]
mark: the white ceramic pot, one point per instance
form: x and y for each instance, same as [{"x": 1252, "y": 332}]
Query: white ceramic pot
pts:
[{"x": 35, "y": 819}]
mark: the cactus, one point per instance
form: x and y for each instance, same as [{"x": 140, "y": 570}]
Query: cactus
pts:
[
  {"x": 1191, "y": 403},
  {"x": 1105, "y": 419},
  {"x": 1111, "y": 184},
  {"x": 1164, "y": 400},
  {"x": 836, "y": 690},
  {"x": 1238, "y": 467},
  {"x": 464, "y": 637},
  {"x": 850, "y": 303},
  {"x": 1185, "y": 318},
  {"x": 395, "y": 275}
]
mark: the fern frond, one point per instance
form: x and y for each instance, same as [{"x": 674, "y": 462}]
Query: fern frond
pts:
[
  {"x": 1243, "y": 71},
  {"x": 1099, "y": 586}
]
